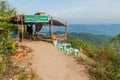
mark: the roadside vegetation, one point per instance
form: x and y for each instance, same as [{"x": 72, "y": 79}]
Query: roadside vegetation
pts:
[
  {"x": 6, "y": 46},
  {"x": 104, "y": 60},
  {"x": 9, "y": 70}
]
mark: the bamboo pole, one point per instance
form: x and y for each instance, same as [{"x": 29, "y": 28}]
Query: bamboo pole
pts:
[
  {"x": 51, "y": 26},
  {"x": 66, "y": 31},
  {"x": 49, "y": 30},
  {"x": 22, "y": 28}
]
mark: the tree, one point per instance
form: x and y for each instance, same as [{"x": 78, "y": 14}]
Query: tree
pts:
[
  {"x": 5, "y": 11},
  {"x": 116, "y": 39},
  {"x": 5, "y": 34},
  {"x": 5, "y": 14}
]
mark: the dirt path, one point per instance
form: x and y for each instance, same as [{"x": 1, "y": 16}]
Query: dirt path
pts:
[{"x": 51, "y": 64}]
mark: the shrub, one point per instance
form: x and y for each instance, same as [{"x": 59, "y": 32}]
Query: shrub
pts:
[
  {"x": 88, "y": 48},
  {"x": 106, "y": 64}
]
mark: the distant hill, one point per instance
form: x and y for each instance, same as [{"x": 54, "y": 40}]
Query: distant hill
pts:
[
  {"x": 91, "y": 38},
  {"x": 112, "y": 29},
  {"x": 96, "y": 34},
  {"x": 88, "y": 37}
]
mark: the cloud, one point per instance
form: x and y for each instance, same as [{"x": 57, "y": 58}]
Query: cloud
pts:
[
  {"x": 82, "y": 10},
  {"x": 93, "y": 9}
]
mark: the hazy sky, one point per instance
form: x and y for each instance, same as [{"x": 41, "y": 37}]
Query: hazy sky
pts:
[{"x": 73, "y": 11}]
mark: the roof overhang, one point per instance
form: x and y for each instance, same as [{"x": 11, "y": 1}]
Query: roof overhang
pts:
[{"x": 19, "y": 19}]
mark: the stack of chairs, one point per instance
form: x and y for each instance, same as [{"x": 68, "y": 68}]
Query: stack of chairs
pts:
[{"x": 67, "y": 49}]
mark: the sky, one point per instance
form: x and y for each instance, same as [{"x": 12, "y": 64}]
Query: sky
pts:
[{"x": 73, "y": 11}]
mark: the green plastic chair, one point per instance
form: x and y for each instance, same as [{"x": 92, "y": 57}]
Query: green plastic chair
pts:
[
  {"x": 75, "y": 52},
  {"x": 60, "y": 47},
  {"x": 71, "y": 49},
  {"x": 67, "y": 51},
  {"x": 65, "y": 45}
]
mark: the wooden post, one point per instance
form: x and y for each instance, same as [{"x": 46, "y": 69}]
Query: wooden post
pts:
[
  {"x": 49, "y": 30},
  {"x": 51, "y": 27},
  {"x": 66, "y": 31},
  {"x": 22, "y": 27}
]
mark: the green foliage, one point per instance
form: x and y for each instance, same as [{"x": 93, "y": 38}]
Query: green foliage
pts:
[
  {"x": 116, "y": 39},
  {"x": 106, "y": 60},
  {"x": 47, "y": 37},
  {"x": 88, "y": 48},
  {"x": 91, "y": 38},
  {"x": 107, "y": 64},
  {"x": 106, "y": 52},
  {"x": 96, "y": 40},
  {"x": 30, "y": 63},
  {"x": 2, "y": 66},
  {"x": 22, "y": 77},
  {"x": 6, "y": 47},
  {"x": 5, "y": 36},
  {"x": 5, "y": 11},
  {"x": 84, "y": 61}
]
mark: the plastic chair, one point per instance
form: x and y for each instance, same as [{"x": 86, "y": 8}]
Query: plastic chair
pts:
[
  {"x": 55, "y": 43},
  {"x": 60, "y": 47},
  {"x": 65, "y": 45},
  {"x": 71, "y": 49},
  {"x": 75, "y": 52},
  {"x": 67, "y": 51}
]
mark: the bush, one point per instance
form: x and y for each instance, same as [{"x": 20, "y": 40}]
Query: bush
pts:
[
  {"x": 106, "y": 65},
  {"x": 6, "y": 48},
  {"x": 88, "y": 48}
]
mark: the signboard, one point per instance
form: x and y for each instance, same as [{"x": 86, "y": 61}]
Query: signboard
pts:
[{"x": 35, "y": 18}]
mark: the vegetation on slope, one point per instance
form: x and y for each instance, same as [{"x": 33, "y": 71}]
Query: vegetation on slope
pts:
[
  {"x": 106, "y": 59},
  {"x": 89, "y": 38},
  {"x": 7, "y": 47}
]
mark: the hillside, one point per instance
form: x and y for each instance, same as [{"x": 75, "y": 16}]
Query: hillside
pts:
[
  {"x": 91, "y": 38},
  {"x": 111, "y": 29},
  {"x": 88, "y": 37}
]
